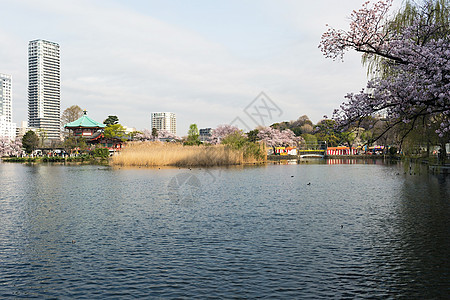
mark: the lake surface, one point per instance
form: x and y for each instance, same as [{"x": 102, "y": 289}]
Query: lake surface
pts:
[{"x": 277, "y": 231}]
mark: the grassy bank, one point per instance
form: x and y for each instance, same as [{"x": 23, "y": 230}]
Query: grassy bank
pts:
[
  {"x": 168, "y": 154},
  {"x": 87, "y": 159}
]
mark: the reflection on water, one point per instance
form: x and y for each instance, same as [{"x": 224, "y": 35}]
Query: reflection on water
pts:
[{"x": 341, "y": 228}]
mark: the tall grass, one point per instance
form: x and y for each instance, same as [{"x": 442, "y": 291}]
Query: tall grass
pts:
[{"x": 169, "y": 154}]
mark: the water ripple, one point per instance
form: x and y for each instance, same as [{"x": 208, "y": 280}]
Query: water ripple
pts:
[{"x": 358, "y": 231}]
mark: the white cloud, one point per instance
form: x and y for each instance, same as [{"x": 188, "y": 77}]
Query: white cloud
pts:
[{"x": 117, "y": 59}]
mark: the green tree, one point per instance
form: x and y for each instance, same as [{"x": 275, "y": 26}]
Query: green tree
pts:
[
  {"x": 348, "y": 137},
  {"x": 193, "y": 135},
  {"x": 310, "y": 141},
  {"x": 111, "y": 120},
  {"x": 236, "y": 140},
  {"x": 250, "y": 150},
  {"x": 253, "y": 135},
  {"x": 30, "y": 141},
  {"x": 325, "y": 131},
  {"x": 154, "y": 132},
  {"x": 72, "y": 142},
  {"x": 115, "y": 131}
]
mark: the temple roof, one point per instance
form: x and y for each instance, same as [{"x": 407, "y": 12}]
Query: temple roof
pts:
[{"x": 85, "y": 121}]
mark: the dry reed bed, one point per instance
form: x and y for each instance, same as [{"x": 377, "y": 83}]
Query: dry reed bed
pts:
[{"x": 169, "y": 154}]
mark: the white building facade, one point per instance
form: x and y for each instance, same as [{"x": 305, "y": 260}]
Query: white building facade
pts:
[
  {"x": 44, "y": 96},
  {"x": 164, "y": 121},
  {"x": 7, "y": 128}
]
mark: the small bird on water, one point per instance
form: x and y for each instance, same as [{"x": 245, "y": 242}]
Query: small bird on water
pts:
[{"x": 309, "y": 183}]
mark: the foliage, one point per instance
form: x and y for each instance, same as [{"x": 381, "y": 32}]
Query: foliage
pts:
[
  {"x": 414, "y": 48},
  {"x": 238, "y": 141},
  {"x": 53, "y": 159},
  {"x": 306, "y": 128},
  {"x": 193, "y": 136},
  {"x": 221, "y": 132},
  {"x": 101, "y": 152},
  {"x": 253, "y": 135},
  {"x": 42, "y": 135},
  {"x": 30, "y": 141},
  {"x": 134, "y": 135},
  {"x": 73, "y": 142},
  {"x": 115, "y": 131},
  {"x": 326, "y": 131},
  {"x": 348, "y": 137},
  {"x": 111, "y": 120},
  {"x": 302, "y": 125},
  {"x": 310, "y": 139},
  {"x": 71, "y": 114},
  {"x": 235, "y": 140},
  {"x": 154, "y": 133}
]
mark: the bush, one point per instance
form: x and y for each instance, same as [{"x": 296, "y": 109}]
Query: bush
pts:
[{"x": 101, "y": 152}]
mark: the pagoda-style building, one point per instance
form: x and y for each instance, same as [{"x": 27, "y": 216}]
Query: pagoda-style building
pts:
[
  {"x": 92, "y": 132},
  {"x": 85, "y": 127}
]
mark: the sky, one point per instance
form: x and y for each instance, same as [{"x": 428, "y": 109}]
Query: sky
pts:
[{"x": 205, "y": 60}]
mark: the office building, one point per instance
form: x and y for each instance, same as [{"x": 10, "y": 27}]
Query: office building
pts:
[
  {"x": 164, "y": 121},
  {"x": 44, "y": 103}
]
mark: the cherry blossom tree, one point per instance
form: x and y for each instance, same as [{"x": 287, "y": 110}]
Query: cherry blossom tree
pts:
[
  {"x": 277, "y": 138},
  {"x": 412, "y": 52},
  {"x": 164, "y": 134},
  {"x": 222, "y": 131},
  {"x": 10, "y": 147},
  {"x": 147, "y": 135}
]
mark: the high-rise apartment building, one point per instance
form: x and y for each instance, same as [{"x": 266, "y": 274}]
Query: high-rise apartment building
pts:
[
  {"x": 7, "y": 127},
  {"x": 5, "y": 97},
  {"x": 44, "y": 103},
  {"x": 164, "y": 121}
]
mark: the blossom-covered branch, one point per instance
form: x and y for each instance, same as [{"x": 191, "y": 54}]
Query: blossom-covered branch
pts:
[{"x": 418, "y": 60}]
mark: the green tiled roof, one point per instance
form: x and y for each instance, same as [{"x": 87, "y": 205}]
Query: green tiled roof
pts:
[{"x": 85, "y": 121}]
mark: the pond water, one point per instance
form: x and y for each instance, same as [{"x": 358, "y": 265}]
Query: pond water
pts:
[{"x": 339, "y": 229}]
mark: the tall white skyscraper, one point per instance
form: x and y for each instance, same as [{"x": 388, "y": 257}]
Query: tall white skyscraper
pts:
[
  {"x": 7, "y": 128},
  {"x": 5, "y": 97},
  {"x": 164, "y": 121},
  {"x": 44, "y": 103}
]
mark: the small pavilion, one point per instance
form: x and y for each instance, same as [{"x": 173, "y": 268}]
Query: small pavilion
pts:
[
  {"x": 92, "y": 132},
  {"x": 85, "y": 127}
]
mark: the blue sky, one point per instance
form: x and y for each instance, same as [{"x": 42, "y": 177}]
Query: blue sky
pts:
[{"x": 204, "y": 60}]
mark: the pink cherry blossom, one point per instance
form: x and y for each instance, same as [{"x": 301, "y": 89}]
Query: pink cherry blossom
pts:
[{"x": 418, "y": 60}]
